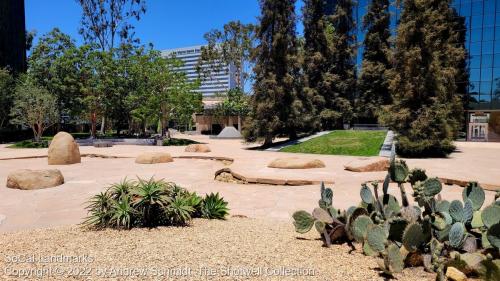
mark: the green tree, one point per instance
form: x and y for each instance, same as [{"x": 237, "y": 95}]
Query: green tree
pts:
[
  {"x": 234, "y": 45},
  {"x": 7, "y": 86},
  {"x": 373, "y": 86},
  {"x": 316, "y": 52},
  {"x": 234, "y": 103},
  {"x": 34, "y": 107},
  {"x": 278, "y": 105},
  {"x": 342, "y": 70},
  {"x": 423, "y": 80},
  {"x": 48, "y": 67}
]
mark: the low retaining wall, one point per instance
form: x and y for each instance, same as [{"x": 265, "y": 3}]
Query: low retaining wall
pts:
[{"x": 248, "y": 180}]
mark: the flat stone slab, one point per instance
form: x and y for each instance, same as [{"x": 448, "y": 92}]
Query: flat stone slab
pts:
[
  {"x": 296, "y": 163},
  {"x": 368, "y": 164},
  {"x": 198, "y": 147},
  {"x": 227, "y": 175},
  {"x": 34, "y": 179},
  {"x": 154, "y": 158}
]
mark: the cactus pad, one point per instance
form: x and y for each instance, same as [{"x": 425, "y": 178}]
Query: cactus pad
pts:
[
  {"x": 457, "y": 235},
  {"x": 457, "y": 210},
  {"x": 320, "y": 226},
  {"x": 322, "y": 215},
  {"x": 491, "y": 215},
  {"x": 393, "y": 259},
  {"x": 376, "y": 237},
  {"x": 366, "y": 194},
  {"x": 398, "y": 171},
  {"x": 396, "y": 229},
  {"x": 390, "y": 203},
  {"x": 474, "y": 193},
  {"x": 443, "y": 206},
  {"x": 468, "y": 211},
  {"x": 417, "y": 174},
  {"x": 432, "y": 187},
  {"x": 493, "y": 235},
  {"x": 413, "y": 237},
  {"x": 477, "y": 221},
  {"x": 359, "y": 227},
  {"x": 303, "y": 221}
]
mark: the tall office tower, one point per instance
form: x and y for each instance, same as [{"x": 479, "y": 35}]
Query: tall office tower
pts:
[
  {"x": 216, "y": 82},
  {"x": 12, "y": 35}
]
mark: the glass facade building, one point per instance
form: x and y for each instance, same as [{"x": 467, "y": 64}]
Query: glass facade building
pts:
[{"x": 482, "y": 20}]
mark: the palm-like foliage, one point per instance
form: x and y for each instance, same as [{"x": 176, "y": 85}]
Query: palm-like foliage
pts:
[
  {"x": 214, "y": 207},
  {"x": 179, "y": 211},
  {"x": 99, "y": 209},
  {"x": 122, "y": 213},
  {"x": 150, "y": 203},
  {"x": 150, "y": 197}
]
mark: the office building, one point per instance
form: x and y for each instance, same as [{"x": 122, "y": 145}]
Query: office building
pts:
[{"x": 216, "y": 82}]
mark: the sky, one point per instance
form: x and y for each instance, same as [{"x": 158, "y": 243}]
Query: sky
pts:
[{"x": 167, "y": 23}]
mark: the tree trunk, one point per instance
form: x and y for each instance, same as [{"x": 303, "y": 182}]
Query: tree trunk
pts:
[
  {"x": 239, "y": 123},
  {"x": 268, "y": 141},
  {"x": 103, "y": 125},
  {"x": 93, "y": 121}
]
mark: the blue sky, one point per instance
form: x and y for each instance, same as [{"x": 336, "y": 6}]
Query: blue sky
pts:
[{"x": 166, "y": 24}]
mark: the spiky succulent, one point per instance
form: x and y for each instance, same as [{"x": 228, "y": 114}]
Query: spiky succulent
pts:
[
  {"x": 457, "y": 235},
  {"x": 475, "y": 194},
  {"x": 413, "y": 237},
  {"x": 398, "y": 171}
]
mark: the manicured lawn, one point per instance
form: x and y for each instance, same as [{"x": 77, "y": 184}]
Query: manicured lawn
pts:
[{"x": 356, "y": 143}]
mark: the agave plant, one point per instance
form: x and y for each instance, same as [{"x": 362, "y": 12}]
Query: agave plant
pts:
[
  {"x": 99, "y": 209},
  {"x": 150, "y": 198},
  {"x": 179, "y": 211},
  {"x": 121, "y": 189},
  {"x": 122, "y": 213},
  {"x": 214, "y": 207}
]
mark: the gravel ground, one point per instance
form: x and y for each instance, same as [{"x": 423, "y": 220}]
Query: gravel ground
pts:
[{"x": 236, "y": 249}]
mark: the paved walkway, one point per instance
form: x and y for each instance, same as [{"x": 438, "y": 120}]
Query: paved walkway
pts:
[
  {"x": 64, "y": 205},
  {"x": 301, "y": 140},
  {"x": 386, "y": 149}
]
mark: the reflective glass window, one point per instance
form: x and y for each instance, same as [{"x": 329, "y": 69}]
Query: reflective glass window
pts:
[
  {"x": 486, "y": 61},
  {"x": 473, "y": 87},
  {"x": 489, "y": 7},
  {"x": 497, "y": 46},
  {"x": 489, "y": 20},
  {"x": 475, "y": 74},
  {"x": 475, "y": 48},
  {"x": 486, "y": 74},
  {"x": 477, "y": 8},
  {"x": 497, "y": 18},
  {"x": 496, "y": 73},
  {"x": 475, "y": 35},
  {"x": 488, "y": 47},
  {"x": 485, "y": 88},
  {"x": 465, "y": 8},
  {"x": 477, "y": 22},
  {"x": 488, "y": 34},
  {"x": 496, "y": 60},
  {"x": 475, "y": 61}
]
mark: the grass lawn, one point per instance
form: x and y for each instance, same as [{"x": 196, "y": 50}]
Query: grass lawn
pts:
[{"x": 356, "y": 143}]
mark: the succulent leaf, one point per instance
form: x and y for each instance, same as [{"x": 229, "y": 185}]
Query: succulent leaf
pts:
[
  {"x": 303, "y": 221},
  {"x": 320, "y": 226},
  {"x": 359, "y": 227},
  {"x": 491, "y": 215},
  {"x": 376, "y": 237},
  {"x": 457, "y": 235},
  {"x": 443, "y": 206},
  {"x": 457, "y": 210},
  {"x": 322, "y": 215},
  {"x": 413, "y": 237},
  {"x": 493, "y": 235},
  {"x": 366, "y": 194},
  {"x": 432, "y": 187},
  {"x": 393, "y": 258},
  {"x": 475, "y": 193}
]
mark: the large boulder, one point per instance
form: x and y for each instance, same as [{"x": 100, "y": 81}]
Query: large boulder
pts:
[
  {"x": 34, "y": 179},
  {"x": 63, "y": 150},
  {"x": 198, "y": 147},
  {"x": 153, "y": 158},
  {"x": 374, "y": 164},
  {"x": 296, "y": 163},
  {"x": 229, "y": 132}
]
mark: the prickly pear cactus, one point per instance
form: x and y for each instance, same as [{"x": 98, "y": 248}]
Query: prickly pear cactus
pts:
[
  {"x": 376, "y": 237},
  {"x": 393, "y": 260},
  {"x": 457, "y": 235},
  {"x": 416, "y": 175},
  {"x": 493, "y": 235},
  {"x": 457, "y": 210},
  {"x": 366, "y": 194},
  {"x": 432, "y": 187},
  {"x": 398, "y": 171},
  {"x": 491, "y": 215},
  {"x": 474, "y": 193},
  {"x": 359, "y": 227},
  {"x": 326, "y": 197},
  {"x": 413, "y": 237},
  {"x": 303, "y": 221},
  {"x": 322, "y": 215}
]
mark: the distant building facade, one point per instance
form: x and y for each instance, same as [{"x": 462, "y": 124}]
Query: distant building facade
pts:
[
  {"x": 12, "y": 35},
  {"x": 216, "y": 82}
]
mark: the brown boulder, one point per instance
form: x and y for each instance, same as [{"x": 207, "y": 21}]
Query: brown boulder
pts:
[
  {"x": 197, "y": 148},
  {"x": 296, "y": 163},
  {"x": 376, "y": 164},
  {"x": 153, "y": 158},
  {"x": 34, "y": 179},
  {"x": 63, "y": 150}
]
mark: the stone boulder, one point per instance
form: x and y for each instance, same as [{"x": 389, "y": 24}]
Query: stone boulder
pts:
[
  {"x": 374, "y": 164},
  {"x": 63, "y": 150},
  {"x": 34, "y": 179},
  {"x": 296, "y": 163},
  {"x": 153, "y": 158},
  {"x": 197, "y": 148}
]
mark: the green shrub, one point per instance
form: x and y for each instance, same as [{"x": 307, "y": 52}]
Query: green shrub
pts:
[
  {"x": 178, "y": 142},
  {"x": 423, "y": 148},
  {"x": 150, "y": 203},
  {"x": 30, "y": 144},
  {"x": 434, "y": 231},
  {"x": 214, "y": 207}
]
